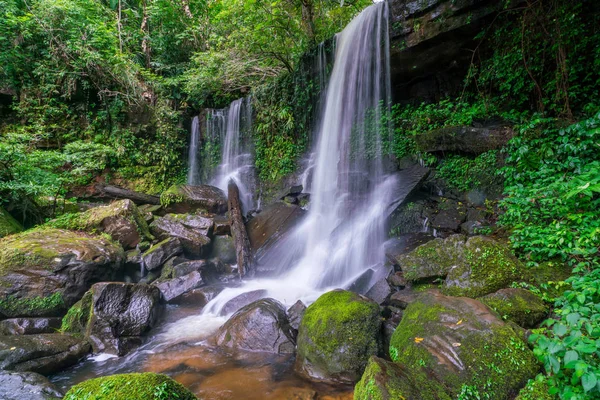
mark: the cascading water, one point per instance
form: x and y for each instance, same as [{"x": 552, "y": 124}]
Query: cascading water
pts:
[{"x": 192, "y": 178}]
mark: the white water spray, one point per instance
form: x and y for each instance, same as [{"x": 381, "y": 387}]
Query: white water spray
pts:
[{"x": 192, "y": 178}]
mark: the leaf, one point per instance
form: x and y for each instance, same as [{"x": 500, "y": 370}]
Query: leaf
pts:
[
  {"x": 570, "y": 356},
  {"x": 418, "y": 339},
  {"x": 589, "y": 381},
  {"x": 559, "y": 329}
]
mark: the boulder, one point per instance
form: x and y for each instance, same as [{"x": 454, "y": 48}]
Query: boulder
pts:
[
  {"x": 199, "y": 297},
  {"x": 461, "y": 342},
  {"x": 242, "y": 300},
  {"x": 451, "y": 214},
  {"x": 186, "y": 199},
  {"x": 44, "y": 272},
  {"x": 464, "y": 139},
  {"x": 29, "y": 326},
  {"x": 406, "y": 182},
  {"x": 193, "y": 231},
  {"x": 397, "y": 246},
  {"x": 158, "y": 254},
  {"x": 143, "y": 386},
  {"x": 223, "y": 248},
  {"x": 121, "y": 314},
  {"x": 384, "y": 380},
  {"x": 295, "y": 314},
  {"x": 121, "y": 220},
  {"x": 338, "y": 334},
  {"x": 259, "y": 326},
  {"x": 471, "y": 228},
  {"x": 362, "y": 283},
  {"x": 8, "y": 225},
  {"x": 44, "y": 353},
  {"x": 76, "y": 320},
  {"x": 176, "y": 287},
  {"x": 518, "y": 305},
  {"x": 27, "y": 386},
  {"x": 222, "y": 225},
  {"x": 380, "y": 291}
]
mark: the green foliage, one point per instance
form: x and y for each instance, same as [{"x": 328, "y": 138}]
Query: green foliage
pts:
[
  {"x": 33, "y": 305},
  {"x": 464, "y": 173}
]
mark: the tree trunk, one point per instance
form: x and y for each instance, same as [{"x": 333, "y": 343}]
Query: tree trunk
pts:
[
  {"x": 308, "y": 19},
  {"x": 146, "y": 31},
  {"x": 245, "y": 260},
  {"x": 120, "y": 193}
]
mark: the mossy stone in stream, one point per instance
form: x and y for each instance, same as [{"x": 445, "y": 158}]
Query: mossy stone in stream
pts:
[
  {"x": 144, "y": 386},
  {"x": 76, "y": 319},
  {"x": 337, "y": 335}
]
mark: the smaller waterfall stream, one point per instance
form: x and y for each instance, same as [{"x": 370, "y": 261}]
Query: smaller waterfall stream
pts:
[{"x": 192, "y": 178}]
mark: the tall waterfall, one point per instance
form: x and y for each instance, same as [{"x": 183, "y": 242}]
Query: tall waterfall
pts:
[
  {"x": 192, "y": 177},
  {"x": 343, "y": 233}
]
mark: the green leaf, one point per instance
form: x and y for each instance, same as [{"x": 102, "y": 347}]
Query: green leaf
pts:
[
  {"x": 570, "y": 356},
  {"x": 589, "y": 381}
]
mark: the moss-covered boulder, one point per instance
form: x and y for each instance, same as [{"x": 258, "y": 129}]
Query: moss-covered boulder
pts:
[
  {"x": 186, "y": 199},
  {"x": 536, "y": 389},
  {"x": 462, "y": 343},
  {"x": 76, "y": 320},
  {"x": 549, "y": 277},
  {"x": 193, "y": 232},
  {"x": 146, "y": 386},
  {"x": 433, "y": 259},
  {"x": 44, "y": 272},
  {"x": 518, "y": 305},
  {"x": 8, "y": 225},
  {"x": 121, "y": 220},
  {"x": 384, "y": 380},
  {"x": 157, "y": 255},
  {"x": 488, "y": 265},
  {"x": 337, "y": 335}
]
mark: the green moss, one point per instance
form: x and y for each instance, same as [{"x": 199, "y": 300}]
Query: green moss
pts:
[
  {"x": 536, "y": 390},
  {"x": 8, "y": 225},
  {"x": 76, "y": 319},
  {"x": 145, "y": 386},
  {"x": 432, "y": 260},
  {"x": 32, "y": 305},
  {"x": 171, "y": 196},
  {"x": 517, "y": 305}
]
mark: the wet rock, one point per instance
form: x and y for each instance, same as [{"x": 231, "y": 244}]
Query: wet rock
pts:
[
  {"x": 518, "y": 305},
  {"x": 121, "y": 314},
  {"x": 397, "y": 246},
  {"x": 464, "y": 139},
  {"x": 176, "y": 287},
  {"x": 476, "y": 214},
  {"x": 29, "y": 326},
  {"x": 363, "y": 283},
  {"x": 396, "y": 279},
  {"x": 222, "y": 225},
  {"x": 259, "y": 326},
  {"x": 549, "y": 277},
  {"x": 242, "y": 300},
  {"x": 403, "y": 298},
  {"x": 158, "y": 254},
  {"x": 380, "y": 291},
  {"x": 460, "y": 341},
  {"x": 193, "y": 231},
  {"x": 450, "y": 215},
  {"x": 8, "y": 225},
  {"x": 475, "y": 197},
  {"x": 121, "y": 219},
  {"x": 188, "y": 267},
  {"x": 470, "y": 228},
  {"x": 224, "y": 248},
  {"x": 295, "y": 314},
  {"x": 76, "y": 320},
  {"x": 43, "y": 272},
  {"x": 186, "y": 199},
  {"x": 27, "y": 386},
  {"x": 407, "y": 181},
  {"x": 199, "y": 297},
  {"x": 44, "y": 353},
  {"x": 131, "y": 387},
  {"x": 337, "y": 335}
]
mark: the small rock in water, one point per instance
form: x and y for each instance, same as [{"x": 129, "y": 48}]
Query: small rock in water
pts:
[
  {"x": 295, "y": 314},
  {"x": 173, "y": 288},
  {"x": 199, "y": 297},
  {"x": 362, "y": 284},
  {"x": 27, "y": 386},
  {"x": 380, "y": 291},
  {"x": 242, "y": 300},
  {"x": 158, "y": 254},
  {"x": 29, "y": 326}
]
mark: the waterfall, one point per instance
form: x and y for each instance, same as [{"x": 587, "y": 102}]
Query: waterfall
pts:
[
  {"x": 192, "y": 177},
  {"x": 343, "y": 232}
]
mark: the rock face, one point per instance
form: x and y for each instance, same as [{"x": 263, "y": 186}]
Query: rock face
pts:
[
  {"x": 407, "y": 180},
  {"x": 44, "y": 354},
  {"x": 464, "y": 139},
  {"x": 158, "y": 254},
  {"x": 29, "y": 326},
  {"x": 186, "y": 199},
  {"x": 121, "y": 220},
  {"x": 121, "y": 314},
  {"x": 460, "y": 341},
  {"x": 224, "y": 249},
  {"x": 193, "y": 231},
  {"x": 259, "y": 326},
  {"x": 295, "y": 314},
  {"x": 8, "y": 225},
  {"x": 44, "y": 272},
  {"x": 337, "y": 335},
  {"x": 131, "y": 387},
  {"x": 27, "y": 386},
  {"x": 518, "y": 305}
]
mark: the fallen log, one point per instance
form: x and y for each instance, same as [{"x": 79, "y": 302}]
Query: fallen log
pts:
[
  {"x": 243, "y": 251},
  {"x": 116, "y": 192}
]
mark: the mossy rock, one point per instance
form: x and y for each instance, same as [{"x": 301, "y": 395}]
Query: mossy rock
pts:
[
  {"x": 8, "y": 225},
  {"x": 536, "y": 389},
  {"x": 78, "y": 316},
  {"x": 337, "y": 335},
  {"x": 186, "y": 199},
  {"x": 549, "y": 277},
  {"x": 145, "y": 386},
  {"x": 384, "y": 380},
  {"x": 44, "y": 272},
  {"x": 518, "y": 305},
  {"x": 122, "y": 220},
  {"x": 487, "y": 266},
  {"x": 464, "y": 345}
]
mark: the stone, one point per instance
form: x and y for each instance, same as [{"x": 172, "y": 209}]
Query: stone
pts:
[
  {"x": 8, "y": 225},
  {"x": 451, "y": 214},
  {"x": 186, "y": 199},
  {"x": 122, "y": 220},
  {"x": 29, "y": 326},
  {"x": 193, "y": 232},
  {"x": 44, "y": 353},
  {"x": 379, "y": 292},
  {"x": 121, "y": 314},
  {"x": 44, "y": 272},
  {"x": 464, "y": 139},
  {"x": 295, "y": 314},
  {"x": 222, "y": 225},
  {"x": 27, "y": 386},
  {"x": 396, "y": 279},
  {"x": 403, "y": 298},
  {"x": 338, "y": 334},
  {"x": 176, "y": 287},
  {"x": 397, "y": 246},
  {"x": 76, "y": 320},
  {"x": 362, "y": 283},
  {"x": 260, "y": 326},
  {"x": 461, "y": 342},
  {"x": 135, "y": 386},
  {"x": 470, "y": 228},
  {"x": 199, "y": 297},
  {"x": 158, "y": 254},
  {"x": 188, "y": 267},
  {"x": 223, "y": 248},
  {"x": 518, "y": 305},
  {"x": 242, "y": 300},
  {"x": 406, "y": 182}
]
